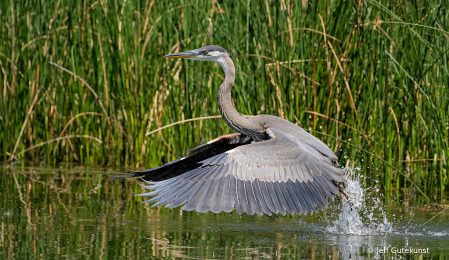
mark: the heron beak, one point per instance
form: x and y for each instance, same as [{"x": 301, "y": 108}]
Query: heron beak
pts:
[{"x": 186, "y": 54}]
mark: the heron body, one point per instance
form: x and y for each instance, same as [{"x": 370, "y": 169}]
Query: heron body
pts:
[{"x": 269, "y": 166}]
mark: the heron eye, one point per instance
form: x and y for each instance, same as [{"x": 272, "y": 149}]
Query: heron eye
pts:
[{"x": 205, "y": 51}]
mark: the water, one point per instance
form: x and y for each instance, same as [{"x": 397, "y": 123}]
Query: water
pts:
[
  {"x": 78, "y": 212},
  {"x": 362, "y": 216}
]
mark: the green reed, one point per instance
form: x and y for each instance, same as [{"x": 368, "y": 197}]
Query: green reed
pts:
[{"x": 377, "y": 78}]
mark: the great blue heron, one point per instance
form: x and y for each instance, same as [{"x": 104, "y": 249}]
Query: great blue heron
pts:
[{"x": 269, "y": 166}]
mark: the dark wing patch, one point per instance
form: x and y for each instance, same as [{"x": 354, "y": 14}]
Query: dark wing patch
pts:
[
  {"x": 279, "y": 175},
  {"x": 191, "y": 161}
]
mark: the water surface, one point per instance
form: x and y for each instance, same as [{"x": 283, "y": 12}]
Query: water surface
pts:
[{"x": 76, "y": 212}]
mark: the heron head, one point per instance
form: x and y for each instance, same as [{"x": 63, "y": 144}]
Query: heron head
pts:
[{"x": 207, "y": 53}]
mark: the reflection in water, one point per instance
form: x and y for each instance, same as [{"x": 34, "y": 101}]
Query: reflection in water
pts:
[{"x": 75, "y": 212}]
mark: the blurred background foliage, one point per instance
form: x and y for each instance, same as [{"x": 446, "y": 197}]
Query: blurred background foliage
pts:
[{"x": 83, "y": 81}]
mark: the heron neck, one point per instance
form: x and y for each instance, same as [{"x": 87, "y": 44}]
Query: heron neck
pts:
[{"x": 232, "y": 117}]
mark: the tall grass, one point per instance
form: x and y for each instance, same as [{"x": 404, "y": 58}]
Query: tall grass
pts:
[{"x": 371, "y": 73}]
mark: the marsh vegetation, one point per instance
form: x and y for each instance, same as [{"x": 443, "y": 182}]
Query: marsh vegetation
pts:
[{"x": 370, "y": 78}]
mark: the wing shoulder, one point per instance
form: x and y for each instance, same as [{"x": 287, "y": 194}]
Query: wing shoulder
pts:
[{"x": 289, "y": 128}]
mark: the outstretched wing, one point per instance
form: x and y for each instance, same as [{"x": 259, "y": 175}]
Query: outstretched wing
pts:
[
  {"x": 190, "y": 161},
  {"x": 282, "y": 174}
]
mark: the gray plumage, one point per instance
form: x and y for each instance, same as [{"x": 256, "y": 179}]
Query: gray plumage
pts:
[{"x": 269, "y": 166}]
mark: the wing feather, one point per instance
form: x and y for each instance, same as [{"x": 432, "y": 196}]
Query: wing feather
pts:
[
  {"x": 182, "y": 196},
  {"x": 284, "y": 173},
  {"x": 322, "y": 188},
  {"x": 228, "y": 194},
  {"x": 239, "y": 199},
  {"x": 266, "y": 195},
  {"x": 252, "y": 201},
  {"x": 215, "y": 202},
  {"x": 205, "y": 204},
  {"x": 246, "y": 207},
  {"x": 305, "y": 172},
  {"x": 265, "y": 173},
  {"x": 260, "y": 198},
  {"x": 178, "y": 201},
  {"x": 296, "y": 200},
  {"x": 280, "y": 196},
  {"x": 288, "y": 198},
  {"x": 309, "y": 196},
  {"x": 318, "y": 195},
  {"x": 239, "y": 170},
  {"x": 279, "y": 175},
  {"x": 276, "y": 177},
  {"x": 274, "y": 198},
  {"x": 167, "y": 196},
  {"x": 193, "y": 195},
  {"x": 308, "y": 204}
]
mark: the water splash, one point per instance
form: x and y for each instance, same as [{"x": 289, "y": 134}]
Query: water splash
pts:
[{"x": 365, "y": 217}]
